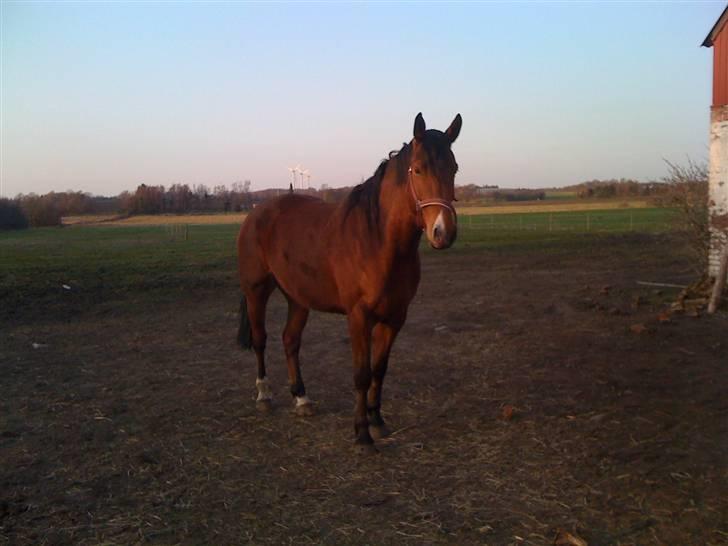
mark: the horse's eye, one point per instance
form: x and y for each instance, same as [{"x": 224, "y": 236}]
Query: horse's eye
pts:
[{"x": 417, "y": 171}]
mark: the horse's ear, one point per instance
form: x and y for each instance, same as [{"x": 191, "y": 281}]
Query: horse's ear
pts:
[
  {"x": 454, "y": 130},
  {"x": 419, "y": 127}
]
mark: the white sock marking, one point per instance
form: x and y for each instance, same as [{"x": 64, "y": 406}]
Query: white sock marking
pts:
[
  {"x": 302, "y": 401},
  {"x": 264, "y": 392}
]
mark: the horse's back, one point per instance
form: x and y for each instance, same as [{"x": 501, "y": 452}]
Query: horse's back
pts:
[
  {"x": 288, "y": 237},
  {"x": 286, "y": 216}
]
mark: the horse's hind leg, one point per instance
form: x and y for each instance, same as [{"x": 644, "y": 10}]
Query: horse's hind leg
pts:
[
  {"x": 257, "y": 301},
  {"x": 383, "y": 337},
  {"x": 297, "y": 317}
]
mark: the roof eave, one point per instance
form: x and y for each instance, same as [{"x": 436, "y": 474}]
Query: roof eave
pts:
[{"x": 717, "y": 27}]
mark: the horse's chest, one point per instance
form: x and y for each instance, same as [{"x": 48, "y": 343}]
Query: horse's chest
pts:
[{"x": 397, "y": 289}]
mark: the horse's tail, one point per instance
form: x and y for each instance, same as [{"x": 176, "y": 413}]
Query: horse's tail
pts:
[{"x": 245, "y": 333}]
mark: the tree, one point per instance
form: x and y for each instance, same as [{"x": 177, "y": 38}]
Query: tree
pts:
[
  {"x": 41, "y": 210},
  {"x": 11, "y": 215},
  {"x": 179, "y": 198},
  {"x": 222, "y": 197},
  {"x": 146, "y": 200},
  {"x": 688, "y": 194}
]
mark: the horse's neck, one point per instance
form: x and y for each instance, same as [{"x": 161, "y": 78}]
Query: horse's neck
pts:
[{"x": 398, "y": 222}]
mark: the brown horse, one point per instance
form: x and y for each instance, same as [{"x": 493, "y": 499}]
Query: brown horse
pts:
[{"x": 359, "y": 258}]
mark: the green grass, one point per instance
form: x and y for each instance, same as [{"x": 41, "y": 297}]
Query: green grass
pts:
[
  {"x": 649, "y": 220},
  {"x": 144, "y": 263},
  {"x": 105, "y": 263},
  {"x": 556, "y": 195}
]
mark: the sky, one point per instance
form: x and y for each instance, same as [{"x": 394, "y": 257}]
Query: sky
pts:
[{"x": 101, "y": 97}]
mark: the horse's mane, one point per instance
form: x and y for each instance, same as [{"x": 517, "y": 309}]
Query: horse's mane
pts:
[{"x": 365, "y": 196}]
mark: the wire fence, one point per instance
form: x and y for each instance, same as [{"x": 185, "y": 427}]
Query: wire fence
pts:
[
  {"x": 640, "y": 220},
  {"x": 657, "y": 220},
  {"x": 177, "y": 232}
]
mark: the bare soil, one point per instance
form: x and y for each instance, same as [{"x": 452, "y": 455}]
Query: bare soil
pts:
[{"x": 529, "y": 393}]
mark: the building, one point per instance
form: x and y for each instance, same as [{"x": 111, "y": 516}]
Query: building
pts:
[{"x": 718, "y": 174}]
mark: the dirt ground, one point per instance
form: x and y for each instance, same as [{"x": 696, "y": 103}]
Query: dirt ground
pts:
[{"x": 522, "y": 402}]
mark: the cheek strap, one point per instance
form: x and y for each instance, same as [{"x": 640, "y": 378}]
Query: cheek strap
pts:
[{"x": 422, "y": 203}]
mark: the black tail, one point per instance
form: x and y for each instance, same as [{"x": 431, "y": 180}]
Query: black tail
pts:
[{"x": 245, "y": 334}]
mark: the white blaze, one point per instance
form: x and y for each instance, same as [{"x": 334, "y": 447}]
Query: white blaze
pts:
[{"x": 439, "y": 224}]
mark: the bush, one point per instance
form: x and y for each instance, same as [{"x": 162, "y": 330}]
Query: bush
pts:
[
  {"x": 688, "y": 194},
  {"x": 518, "y": 195},
  {"x": 41, "y": 210},
  {"x": 11, "y": 215}
]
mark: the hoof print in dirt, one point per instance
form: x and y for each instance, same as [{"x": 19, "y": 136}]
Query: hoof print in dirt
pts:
[
  {"x": 264, "y": 406},
  {"x": 305, "y": 410},
  {"x": 379, "y": 432},
  {"x": 365, "y": 449}
]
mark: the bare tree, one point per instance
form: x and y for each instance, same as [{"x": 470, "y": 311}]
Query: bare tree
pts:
[{"x": 688, "y": 195}]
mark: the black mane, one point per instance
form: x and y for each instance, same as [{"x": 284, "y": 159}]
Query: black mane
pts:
[{"x": 366, "y": 195}]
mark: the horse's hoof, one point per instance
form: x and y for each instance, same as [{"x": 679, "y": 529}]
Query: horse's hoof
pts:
[
  {"x": 379, "y": 432},
  {"x": 366, "y": 449},
  {"x": 305, "y": 410},
  {"x": 264, "y": 406}
]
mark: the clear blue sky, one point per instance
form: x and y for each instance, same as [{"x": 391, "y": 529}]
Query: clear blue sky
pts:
[{"x": 103, "y": 96}]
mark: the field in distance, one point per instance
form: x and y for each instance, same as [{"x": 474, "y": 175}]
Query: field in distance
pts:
[
  {"x": 237, "y": 217},
  {"x": 155, "y": 219}
]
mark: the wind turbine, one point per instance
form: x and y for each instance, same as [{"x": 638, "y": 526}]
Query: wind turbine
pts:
[
  {"x": 307, "y": 174},
  {"x": 293, "y": 172},
  {"x": 299, "y": 170}
]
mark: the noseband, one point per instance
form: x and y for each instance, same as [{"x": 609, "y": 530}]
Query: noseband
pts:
[{"x": 422, "y": 203}]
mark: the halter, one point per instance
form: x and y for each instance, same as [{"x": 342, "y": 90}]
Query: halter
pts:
[{"x": 422, "y": 203}]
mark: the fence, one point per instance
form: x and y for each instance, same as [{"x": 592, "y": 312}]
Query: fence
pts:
[
  {"x": 653, "y": 220},
  {"x": 641, "y": 220},
  {"x": 177, "y": 232}
]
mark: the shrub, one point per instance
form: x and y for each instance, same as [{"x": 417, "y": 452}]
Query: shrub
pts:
[
  {"x": 41, "y": 210},
  {"x": 11, "y": 215},
  {"x": 688, "y": 194}
]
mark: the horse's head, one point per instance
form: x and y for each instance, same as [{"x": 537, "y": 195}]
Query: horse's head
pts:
[{"x": 431, "y": 179}]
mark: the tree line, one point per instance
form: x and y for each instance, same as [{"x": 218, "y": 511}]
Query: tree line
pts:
[
  {"x": 182, "y": 199},
  {"x": 624, "y": 187},
  {"x": 49, "y": 209}
]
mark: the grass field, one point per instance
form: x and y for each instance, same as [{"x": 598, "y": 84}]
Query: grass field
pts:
[
  {"x": 561, "y": 205},
  {"x": 522, "y": 399},
  {"x": 585, "y": 220},
  {"x": 156, "y": 219},
  {"x": 103, "y": 262},
  {"x": 560, "y": 195},
  {"x": 564, "y": 203}
]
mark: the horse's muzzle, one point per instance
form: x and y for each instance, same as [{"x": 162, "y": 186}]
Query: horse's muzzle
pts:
[
  {"x": 443, "y": 232},
  {"x": 441, "y": 241}
]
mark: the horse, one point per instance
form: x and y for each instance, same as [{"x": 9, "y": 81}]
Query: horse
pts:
[{"x": 359, "y": 258}]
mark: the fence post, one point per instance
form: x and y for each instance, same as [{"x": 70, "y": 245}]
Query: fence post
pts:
[
  {"x": 551, "y": 221},
  {"x": 631, "y": 221},
  {"x": 520, "y": 222},
  {"x": 588, "y": 222}
]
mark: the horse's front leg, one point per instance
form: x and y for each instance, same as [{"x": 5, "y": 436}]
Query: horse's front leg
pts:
[
  {"x": 360, "y": 332},
  {"x": 383, "y": 337}
]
